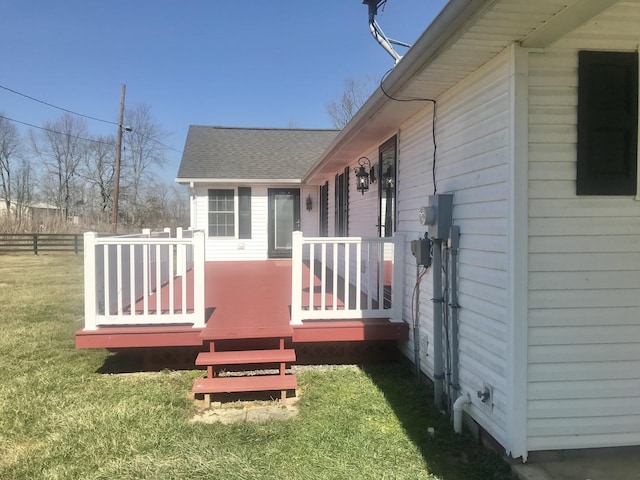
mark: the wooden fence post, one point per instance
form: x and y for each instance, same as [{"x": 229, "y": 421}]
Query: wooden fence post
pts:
[{"x": 35, "y": 243}]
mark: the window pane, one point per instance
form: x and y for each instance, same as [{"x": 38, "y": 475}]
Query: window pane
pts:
[{"x": 221, "y": 213}]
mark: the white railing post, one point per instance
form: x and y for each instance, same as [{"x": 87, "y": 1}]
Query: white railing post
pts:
[
  {"x": 198, "y": 279},
  {"x": 397, "y": 289},
  {"x": 296, "y": 279},
  {"x": 90, "y": 300},
  {"x": 181, "y": 260}
]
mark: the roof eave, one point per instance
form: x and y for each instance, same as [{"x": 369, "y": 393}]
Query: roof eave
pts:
[
  {"x": 427, "y": 48},
  {"x": 239, "y": 181}
]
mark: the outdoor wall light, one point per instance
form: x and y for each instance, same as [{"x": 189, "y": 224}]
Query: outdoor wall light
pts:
[
  {"x": 362, "y": 177},
  {"x": 309, "y": 203}
]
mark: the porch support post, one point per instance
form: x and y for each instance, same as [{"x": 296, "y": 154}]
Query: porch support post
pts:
[
  {"x": 198, "y": 279},
  {"x": 397, "y": 289},
  {"x": 90, "y": 300},
  {"x": 181, "y": 258},
  {"x": 296, "y": 279}
]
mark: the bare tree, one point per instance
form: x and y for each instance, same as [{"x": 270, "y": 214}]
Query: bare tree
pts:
[
  {"x": 164, "y": 205},
  {"x": 61, "y": 145},
  {"x": 144, "y": 149},
  {"x": 10, "y": 145},
  {"x": 97, "y": 170},
  {"x": 23, "y": 190},
  {"x": 354, "y": 95}
]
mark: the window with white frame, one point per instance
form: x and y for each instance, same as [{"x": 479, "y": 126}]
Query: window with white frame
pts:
[{"x": 221, "y": 212}]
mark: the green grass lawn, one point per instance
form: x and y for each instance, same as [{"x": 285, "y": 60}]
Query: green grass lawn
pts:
[{"x": 60, "y": 419}]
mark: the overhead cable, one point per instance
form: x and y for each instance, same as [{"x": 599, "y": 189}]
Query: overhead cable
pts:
[
  {"x": 56, "y": 107},
  {"x": 94, "y": 140}
]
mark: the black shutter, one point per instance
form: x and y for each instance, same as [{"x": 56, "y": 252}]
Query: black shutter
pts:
[
  {"x": 336, "y": 206},
  {"x": 244, "y": 212},
  {"x": 345, "y": 203},
  {"x": 607, "y": 123},
  {"x": 324, "y": 210}
]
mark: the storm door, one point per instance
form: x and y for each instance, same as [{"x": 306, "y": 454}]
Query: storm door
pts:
[{"x": 284, "y": 219}]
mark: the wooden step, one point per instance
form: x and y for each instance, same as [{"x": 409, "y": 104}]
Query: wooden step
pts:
[
  {"x": 240, "y": 332},
  {"x": 256, "y": 383},
  {"x": 244, "y": 357}
]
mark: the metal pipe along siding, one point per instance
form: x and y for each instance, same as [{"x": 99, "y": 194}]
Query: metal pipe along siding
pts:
[
  {"x": 455, "y": 236},
  {"x": 416, "y": 326},
  {"x": 438, "y": 373}
]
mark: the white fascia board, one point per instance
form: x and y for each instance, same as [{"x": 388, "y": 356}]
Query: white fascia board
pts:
[{"x": 241, "y": 181}]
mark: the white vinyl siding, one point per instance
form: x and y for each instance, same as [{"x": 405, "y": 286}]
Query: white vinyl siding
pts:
[
  {"x": 472, "y": 135},
  {"x": 584, "y": 265},
  {"x": 255, "y": 248}
]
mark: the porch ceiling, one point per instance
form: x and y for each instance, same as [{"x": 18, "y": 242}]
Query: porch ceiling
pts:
[{"x": 465, "y": 35}]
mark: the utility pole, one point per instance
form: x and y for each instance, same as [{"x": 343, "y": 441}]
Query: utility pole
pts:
[{"x": 116, "y": 177}]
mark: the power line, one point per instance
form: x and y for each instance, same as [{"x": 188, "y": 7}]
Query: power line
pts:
[
  {"x": 57, "y": 132},
  {"x": 55, "y": 106},
  {"x": 162, "y": 144},
  {"x": 78, "y": 114}
]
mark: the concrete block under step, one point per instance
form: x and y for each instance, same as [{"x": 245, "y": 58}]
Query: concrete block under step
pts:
[
  {"x": 256, "y": 383},
  {"x": 244, "y": 357}
]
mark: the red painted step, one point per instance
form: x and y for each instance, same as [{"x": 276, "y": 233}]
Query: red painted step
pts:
[
  {"x": 240, "y": 332},
  {"x": 256, "y": 383},
  {"x": 246, "y": 357}
]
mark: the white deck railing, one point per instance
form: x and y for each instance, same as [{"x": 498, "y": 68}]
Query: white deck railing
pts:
[
  {"x": 346, "y": 278},
  {"x": 144, "y": 279}
]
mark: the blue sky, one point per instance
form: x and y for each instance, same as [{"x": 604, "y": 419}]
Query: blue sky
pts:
[{"x": 251, "y": 63}]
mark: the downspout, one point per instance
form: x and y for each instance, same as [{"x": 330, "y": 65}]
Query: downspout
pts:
[
  {"x": 458, "y": 408},
  {"x": 438, "y": 372}
]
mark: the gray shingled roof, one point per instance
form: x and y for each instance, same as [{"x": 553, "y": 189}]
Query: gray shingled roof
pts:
[{"x": 251, "y": 153}]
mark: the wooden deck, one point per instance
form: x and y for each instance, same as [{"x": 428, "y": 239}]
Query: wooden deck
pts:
[{"x": 244, "y": 300}]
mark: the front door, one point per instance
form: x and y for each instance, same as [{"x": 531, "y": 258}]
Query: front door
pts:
[{"x": 284, "y": 218}]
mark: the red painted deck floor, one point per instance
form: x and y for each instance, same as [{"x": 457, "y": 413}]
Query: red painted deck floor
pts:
[{"x": 243, "y": 299}]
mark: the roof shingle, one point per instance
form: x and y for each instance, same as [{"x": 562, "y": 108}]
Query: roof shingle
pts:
[{"x": 251, "y": 153}]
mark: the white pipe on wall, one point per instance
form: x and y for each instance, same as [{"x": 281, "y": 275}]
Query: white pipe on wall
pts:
[{"x": 458, "y": 408}]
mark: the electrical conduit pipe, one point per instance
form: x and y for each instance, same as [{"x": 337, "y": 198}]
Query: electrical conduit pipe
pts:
[
  {"x": 438, "y": 367},
  {"x": 458, "y": 408}
]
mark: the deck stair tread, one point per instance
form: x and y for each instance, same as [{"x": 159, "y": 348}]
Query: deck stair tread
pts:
[
  {"x": 253, "y": 383},
  {"x": 247, "y": 332},
  {"x": 242, "y": 357}
]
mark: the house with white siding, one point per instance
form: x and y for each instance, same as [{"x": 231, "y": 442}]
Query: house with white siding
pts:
[
  {"x": 527, "y": 114},
  {"x": 506, "y": 135},
  {"x": 246, "y": 188}
]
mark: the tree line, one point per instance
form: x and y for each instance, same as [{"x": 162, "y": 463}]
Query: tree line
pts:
[{"x": 61, "y": 177}]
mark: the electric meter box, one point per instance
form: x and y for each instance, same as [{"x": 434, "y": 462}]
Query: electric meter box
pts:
[
  {"x": 442, "y": 205},
  {"x": 421, "y": 249}
]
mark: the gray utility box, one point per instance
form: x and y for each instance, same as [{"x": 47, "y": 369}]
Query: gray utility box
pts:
[{"x": 438, "y": 216}]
